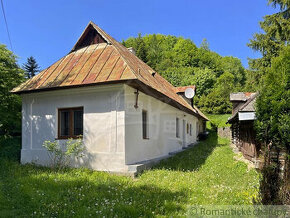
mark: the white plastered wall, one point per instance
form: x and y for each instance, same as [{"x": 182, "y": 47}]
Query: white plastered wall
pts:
[
  {"x": 162, "y": 128},
  {"x": 104, "y": 128}
]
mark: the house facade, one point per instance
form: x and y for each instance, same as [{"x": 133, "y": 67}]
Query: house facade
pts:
[{"x": 125, "y": 112}]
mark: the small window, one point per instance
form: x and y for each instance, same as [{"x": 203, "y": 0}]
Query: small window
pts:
[
  {"x": 177, "y": 127},
  {"x": 70, "y": 122},
  {"x": 190, "y": 129},
  {"x": 187, "y": 128},
  {"x": 145, "y": 124}
]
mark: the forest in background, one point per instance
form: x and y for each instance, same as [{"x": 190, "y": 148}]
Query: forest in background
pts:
[{"x": 183, "y": 63}]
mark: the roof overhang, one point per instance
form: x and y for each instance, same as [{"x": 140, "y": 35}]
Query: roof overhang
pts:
[
  {"x": 160, "y": 96},
  {"x": 135, "y": 83}
]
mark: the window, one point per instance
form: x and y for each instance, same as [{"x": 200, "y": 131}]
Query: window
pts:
[
  {"x": 187, "y": 128},
  {"x": 190, "y": 129},
  {"x": 177, "y": 127},
  {"x": 70, "y": 122},
  {"x": 145, "y": 124}
]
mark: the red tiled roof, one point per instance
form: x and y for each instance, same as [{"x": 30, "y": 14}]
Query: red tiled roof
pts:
[
  {"x": 107, "y": 61},
  {"x": 183, "y": 88}
]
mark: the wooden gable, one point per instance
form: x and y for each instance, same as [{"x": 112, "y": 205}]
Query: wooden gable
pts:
[{"x": 89, "y": 37}]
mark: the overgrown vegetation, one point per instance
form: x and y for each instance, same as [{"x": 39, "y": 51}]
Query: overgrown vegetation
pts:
[
  {"x": 206, "y": 174},
  {"x": 62, "y": 155},
  {"x": 272, "y": 76},
  {"x": 10, "y": 105},
  {"x": 182, "y": 63},
  {"x": 273, "y": 129}
]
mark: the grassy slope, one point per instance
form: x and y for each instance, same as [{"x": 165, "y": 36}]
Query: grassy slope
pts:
[
  {"x": 219, "y": 119},
  {"x": 205, "y": 174}
]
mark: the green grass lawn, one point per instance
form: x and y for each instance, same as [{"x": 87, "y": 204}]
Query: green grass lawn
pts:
[
  {"x": 205, "y": 174},
  {"x": 219, "y": 119}
]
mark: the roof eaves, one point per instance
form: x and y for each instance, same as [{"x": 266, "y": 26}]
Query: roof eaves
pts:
[
  {"x": 71, "y": 86},
  {"x": 243, "y": 106}
]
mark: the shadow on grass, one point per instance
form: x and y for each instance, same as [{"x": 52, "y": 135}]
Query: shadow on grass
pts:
[
  {"x": 29, "y": 190},
  {"x": 192, "y": 158}
]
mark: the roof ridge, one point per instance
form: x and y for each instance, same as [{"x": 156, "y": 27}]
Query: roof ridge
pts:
[
  {"x": 119, "y": 47},
  {"x": 113, "y": 43},
  {"x": 249, "y": 101},
  {"x": 131, "y": 68}
]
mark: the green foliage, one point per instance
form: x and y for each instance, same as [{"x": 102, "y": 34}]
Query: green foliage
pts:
[
  {"x": 62, "y": 155},
  {"x": 218, "y": 101},
  {"x": 273, "y": 103},
  {"x": 204, "y": 80},
  {"x": 270, "y": 74},
  {"x": 31, "y": 67},
  {"x": 276, "y": 33},
  {"x": 234, "y": 66},
  {"x": 219, "y": 120},
  {"x": 180, "y": 76},
  {"x": 10, "y": 105},
  {"x": 182, "y": 63},
  {"x": 273, "y": 124},
  {"x": 10, "y": 148},
  {"x": 206, "y": 174}
]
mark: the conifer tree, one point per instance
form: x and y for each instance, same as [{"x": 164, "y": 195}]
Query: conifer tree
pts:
[{"x": 31, "y": 67}]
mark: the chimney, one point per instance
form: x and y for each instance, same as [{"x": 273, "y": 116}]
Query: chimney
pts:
[{"x": 132, "y": 50}]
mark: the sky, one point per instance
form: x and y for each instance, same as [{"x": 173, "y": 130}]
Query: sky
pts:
[{"x": 47, "y": 30}]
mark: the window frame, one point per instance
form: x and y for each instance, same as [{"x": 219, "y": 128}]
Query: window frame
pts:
[
  {"x": 71, "y": 122},
  {"x": 145, "y": 125},
  {"x": 177, "y": 128}
]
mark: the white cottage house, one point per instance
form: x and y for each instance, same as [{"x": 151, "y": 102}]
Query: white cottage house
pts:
[{"x": 125, "y": 111}]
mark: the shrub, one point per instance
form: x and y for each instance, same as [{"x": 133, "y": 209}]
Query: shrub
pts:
[{"x": 60, "y": 157}]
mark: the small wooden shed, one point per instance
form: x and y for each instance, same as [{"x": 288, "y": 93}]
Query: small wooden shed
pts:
[{"x": 242, "y": 124}]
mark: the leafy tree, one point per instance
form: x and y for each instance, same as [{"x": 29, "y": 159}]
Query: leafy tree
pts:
[
  {"x": 205, "y": 45},
  {"x": 31, "y": 67},
  {"x": 217, "y": 101},
  {"x": 273, "y": 128},
  {"x": 182, "y": 63},
  {"x": 184, "y": 52},
  {"x": 272, "y": 107},
  {"x": 234, "y": 66},
  {"x": 204, "y": 80},
  {"x": 141, "y": 50},
  {"x": 276, "y": 33},
  {"x": 154, "y": 52},
  {"x": 10, "y": 105},
  {"x": 180, "y": 76}
]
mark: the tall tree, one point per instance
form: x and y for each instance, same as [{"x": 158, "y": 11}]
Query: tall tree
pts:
[
  {"x": 276, "y": 34},
  {"x": 204, "y": 44},
  {"x": 31, "y": 67},
  {"x": 182, "y": 63},
  {"x": 273, "y": 129},
  {"x": 10, "y": 105},
  {"x": 141, "y": 51},
  {"x": 272, "y": 106},
  {"x": 217, "y": 101}
]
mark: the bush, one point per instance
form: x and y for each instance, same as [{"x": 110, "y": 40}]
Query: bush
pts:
[
  {"x": 60, "y": 157},
  {"x": 10, "y": 148}
]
